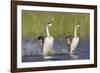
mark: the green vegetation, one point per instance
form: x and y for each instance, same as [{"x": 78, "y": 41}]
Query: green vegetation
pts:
[{"x": 34, "y": 23}]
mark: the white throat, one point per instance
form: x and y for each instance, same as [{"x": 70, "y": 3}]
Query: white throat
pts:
[
  {"x": 75, "y": 31},
  {"x": 47, "y": 31}
]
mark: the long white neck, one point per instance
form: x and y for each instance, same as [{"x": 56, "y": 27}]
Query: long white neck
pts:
[
  {"x": 47, "y": 31},
  {"x": 75, "y": 31}
]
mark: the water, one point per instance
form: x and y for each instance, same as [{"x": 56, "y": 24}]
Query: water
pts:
[{"x": 32, "y": 51}]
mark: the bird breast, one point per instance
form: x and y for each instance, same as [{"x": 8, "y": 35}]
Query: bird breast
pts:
[
  {"x": 74, "y": 42},
  {"x": 48, "y": 42}
]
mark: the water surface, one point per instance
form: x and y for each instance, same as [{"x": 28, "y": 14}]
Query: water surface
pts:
[{"x": 32, "y": 51}]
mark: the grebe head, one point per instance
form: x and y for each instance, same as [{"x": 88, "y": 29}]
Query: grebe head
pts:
[
  {"x": 49, "y": 24},
  {"x": 77, "y": 25}
]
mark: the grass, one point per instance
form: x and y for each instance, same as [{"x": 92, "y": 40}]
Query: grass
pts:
[{"x": 34, "y": 23}]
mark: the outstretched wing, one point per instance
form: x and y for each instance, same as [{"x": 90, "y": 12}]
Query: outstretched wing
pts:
[{"x": 69, "y": 39}]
